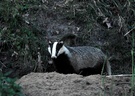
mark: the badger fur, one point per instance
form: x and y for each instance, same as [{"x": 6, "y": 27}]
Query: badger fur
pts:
[{"x": 84, "y": 60}]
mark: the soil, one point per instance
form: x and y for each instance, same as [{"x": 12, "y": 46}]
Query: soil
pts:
[{"x": 55, "y": 84}]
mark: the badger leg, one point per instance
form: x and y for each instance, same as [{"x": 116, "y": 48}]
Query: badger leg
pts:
[{"x": 108, "y": 68}]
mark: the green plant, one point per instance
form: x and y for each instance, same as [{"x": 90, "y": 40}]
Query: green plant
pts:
[
  {"x": 8, "y": 87},
  {"x": 20, "y": 42},
  {"x": 133, "y": 67}
]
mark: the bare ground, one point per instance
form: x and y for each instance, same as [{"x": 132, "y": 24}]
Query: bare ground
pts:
[{"x": 55, "y": 84}]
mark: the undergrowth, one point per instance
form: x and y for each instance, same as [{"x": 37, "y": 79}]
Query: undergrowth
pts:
[
  {"x": 114, "y": 41},
  {"x": 8, "y": 87},
  {"x": 20, "y": 45}
]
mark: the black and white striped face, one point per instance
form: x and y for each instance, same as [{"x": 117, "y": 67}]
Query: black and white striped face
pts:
[{"x": 56, "y": 48}]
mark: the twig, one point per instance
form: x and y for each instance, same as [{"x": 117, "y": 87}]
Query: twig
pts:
[
  {"x": 3, "y": 64},
  {"x": 40, "y": 68},
  {"x": 129, "y": 31},
  {"x": 120, "y": 23},
  {"x": 121, "y": 75}
]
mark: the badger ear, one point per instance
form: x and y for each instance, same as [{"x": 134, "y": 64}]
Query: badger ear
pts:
[
  {"x": 61, "y": 42},
  {"x": 50, "y": 42}
]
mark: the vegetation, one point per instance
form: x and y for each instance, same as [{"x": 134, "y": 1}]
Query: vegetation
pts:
[
  {"x": 8, "y": 87},
  {"x": 133, "y": 67},
  {"x": 115, "y": 41},
  {"x": 23, "y": 45},
  {"x": 19, "y": 42},
  {"x": 20, "y": 45}
]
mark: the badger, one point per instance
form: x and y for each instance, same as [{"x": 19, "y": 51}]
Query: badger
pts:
[{"x": 83, "y": 60}]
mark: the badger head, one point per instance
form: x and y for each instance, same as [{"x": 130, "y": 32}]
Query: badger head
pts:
[{"x": 57, "y": 48}]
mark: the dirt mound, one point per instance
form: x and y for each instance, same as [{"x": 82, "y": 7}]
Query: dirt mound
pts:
[{"x": 55, "y": 84}]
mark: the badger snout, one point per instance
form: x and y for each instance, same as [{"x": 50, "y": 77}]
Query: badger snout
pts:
[{"x": 53, "y": 57}]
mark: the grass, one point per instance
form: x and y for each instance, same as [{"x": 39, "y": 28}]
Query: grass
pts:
[
  {"x": 133, "y": 67},
  {"x": 103, "y": 80}
]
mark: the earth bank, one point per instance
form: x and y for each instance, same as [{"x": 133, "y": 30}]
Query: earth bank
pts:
[{"x": 55, "y": 84}]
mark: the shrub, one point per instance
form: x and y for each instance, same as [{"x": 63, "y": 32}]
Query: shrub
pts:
[
  {"x": 19, "y": 42},
  {"x": 8, "y": 87}
]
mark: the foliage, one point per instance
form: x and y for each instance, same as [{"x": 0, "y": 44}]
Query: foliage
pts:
[
  {"x": 133, "y": 67},
  {"x": 19, "y": 41},
  {"x": 8, "y": 87}
]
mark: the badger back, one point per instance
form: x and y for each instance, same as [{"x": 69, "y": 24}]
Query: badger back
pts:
[{"x": 86, "y": 56}]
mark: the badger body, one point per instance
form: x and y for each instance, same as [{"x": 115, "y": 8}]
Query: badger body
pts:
[{"x": 84, "y": 60}]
